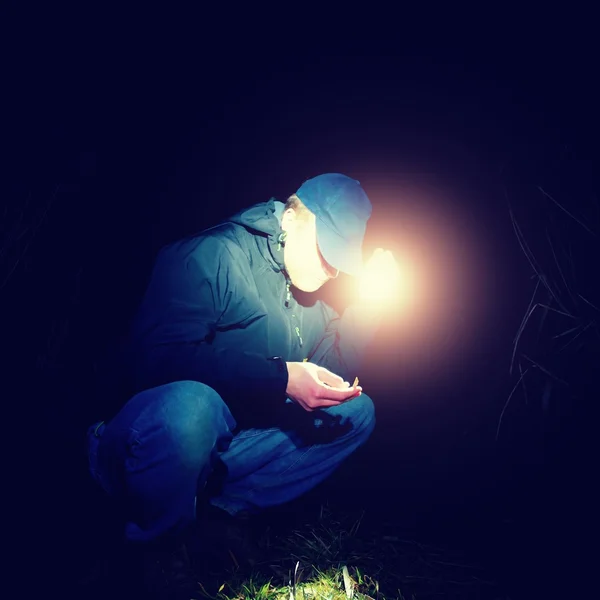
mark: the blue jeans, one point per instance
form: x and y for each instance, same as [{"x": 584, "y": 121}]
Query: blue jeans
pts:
[{"x": 160, "y": 450}]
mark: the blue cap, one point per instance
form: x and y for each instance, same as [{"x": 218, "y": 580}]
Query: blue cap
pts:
[{"x": 342, "y": 210}]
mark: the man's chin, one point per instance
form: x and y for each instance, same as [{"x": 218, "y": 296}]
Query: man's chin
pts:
[{"x": 309, "y": 286}]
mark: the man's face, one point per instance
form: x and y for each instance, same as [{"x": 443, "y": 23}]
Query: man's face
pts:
[{"x": 303, "y": 261}]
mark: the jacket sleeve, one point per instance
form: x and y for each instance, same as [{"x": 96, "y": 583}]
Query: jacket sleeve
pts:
[
  {"x": 190, "y": 295},
  {"x": 343, "y": 346}
]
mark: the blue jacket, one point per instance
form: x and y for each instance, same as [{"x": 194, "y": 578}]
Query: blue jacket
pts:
[{"x": 219, "y": 306}]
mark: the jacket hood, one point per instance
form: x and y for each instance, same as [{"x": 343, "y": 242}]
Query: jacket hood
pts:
[
  {"x": 263, "y": 220},
  {"x": 264, "y": 217}
]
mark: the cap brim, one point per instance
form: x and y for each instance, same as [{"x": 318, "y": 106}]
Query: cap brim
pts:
[{"x": 340, "y": 254}]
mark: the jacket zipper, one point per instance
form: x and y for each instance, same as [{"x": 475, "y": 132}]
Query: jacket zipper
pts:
[{"x": 288, "y": 297}]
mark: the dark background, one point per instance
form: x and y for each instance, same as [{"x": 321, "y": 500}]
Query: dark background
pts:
[{"x": 118, "y": 153}]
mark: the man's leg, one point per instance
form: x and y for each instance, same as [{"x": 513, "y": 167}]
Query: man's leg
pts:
[
  {"x": 267, "y": 467},
  {"x": 155, "y": 453}
]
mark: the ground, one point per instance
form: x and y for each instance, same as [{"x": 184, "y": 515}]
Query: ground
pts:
[{"x": 329, "y": 552}]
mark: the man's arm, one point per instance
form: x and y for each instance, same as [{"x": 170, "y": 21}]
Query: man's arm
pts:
[
  {"x": 343, "y": 346},
  {"x": 192, "y": 291}
]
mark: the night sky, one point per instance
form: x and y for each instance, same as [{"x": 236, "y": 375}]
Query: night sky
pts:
[{"x": 115, "y": 157}]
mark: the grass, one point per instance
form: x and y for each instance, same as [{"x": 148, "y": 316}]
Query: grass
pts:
[
  {"x": 335, "y": 555},
  {"x": 561, "y": 322},
  {"x": 348, "y": 556}
]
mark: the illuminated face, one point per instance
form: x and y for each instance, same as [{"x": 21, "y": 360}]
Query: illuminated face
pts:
[{"x": 304, "y": 263}]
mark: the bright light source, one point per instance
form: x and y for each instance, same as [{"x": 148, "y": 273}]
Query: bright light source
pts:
[
  {"x": 440, "y": 298},
  {"x": 381, "y": 280}
]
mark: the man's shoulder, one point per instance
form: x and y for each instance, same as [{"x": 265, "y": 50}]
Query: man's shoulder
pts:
[{"x": 226, "y": 237}]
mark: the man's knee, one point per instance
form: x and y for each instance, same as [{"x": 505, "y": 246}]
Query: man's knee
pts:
[
  {"x": 193, "y": 418},
  {"x": 193, "y": 400},
  {"x": 358, "y": 414},
  {"x": 364, "y": 413}
]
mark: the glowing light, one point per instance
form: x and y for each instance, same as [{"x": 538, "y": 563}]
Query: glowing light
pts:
[
  {"x": 440, "y": 299},
  {"x": 380, "y": 280}
]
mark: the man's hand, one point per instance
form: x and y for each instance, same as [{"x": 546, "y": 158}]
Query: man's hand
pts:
[
  {"x": 380, "y": 280},
  {"x": 314, "y": 387}
]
